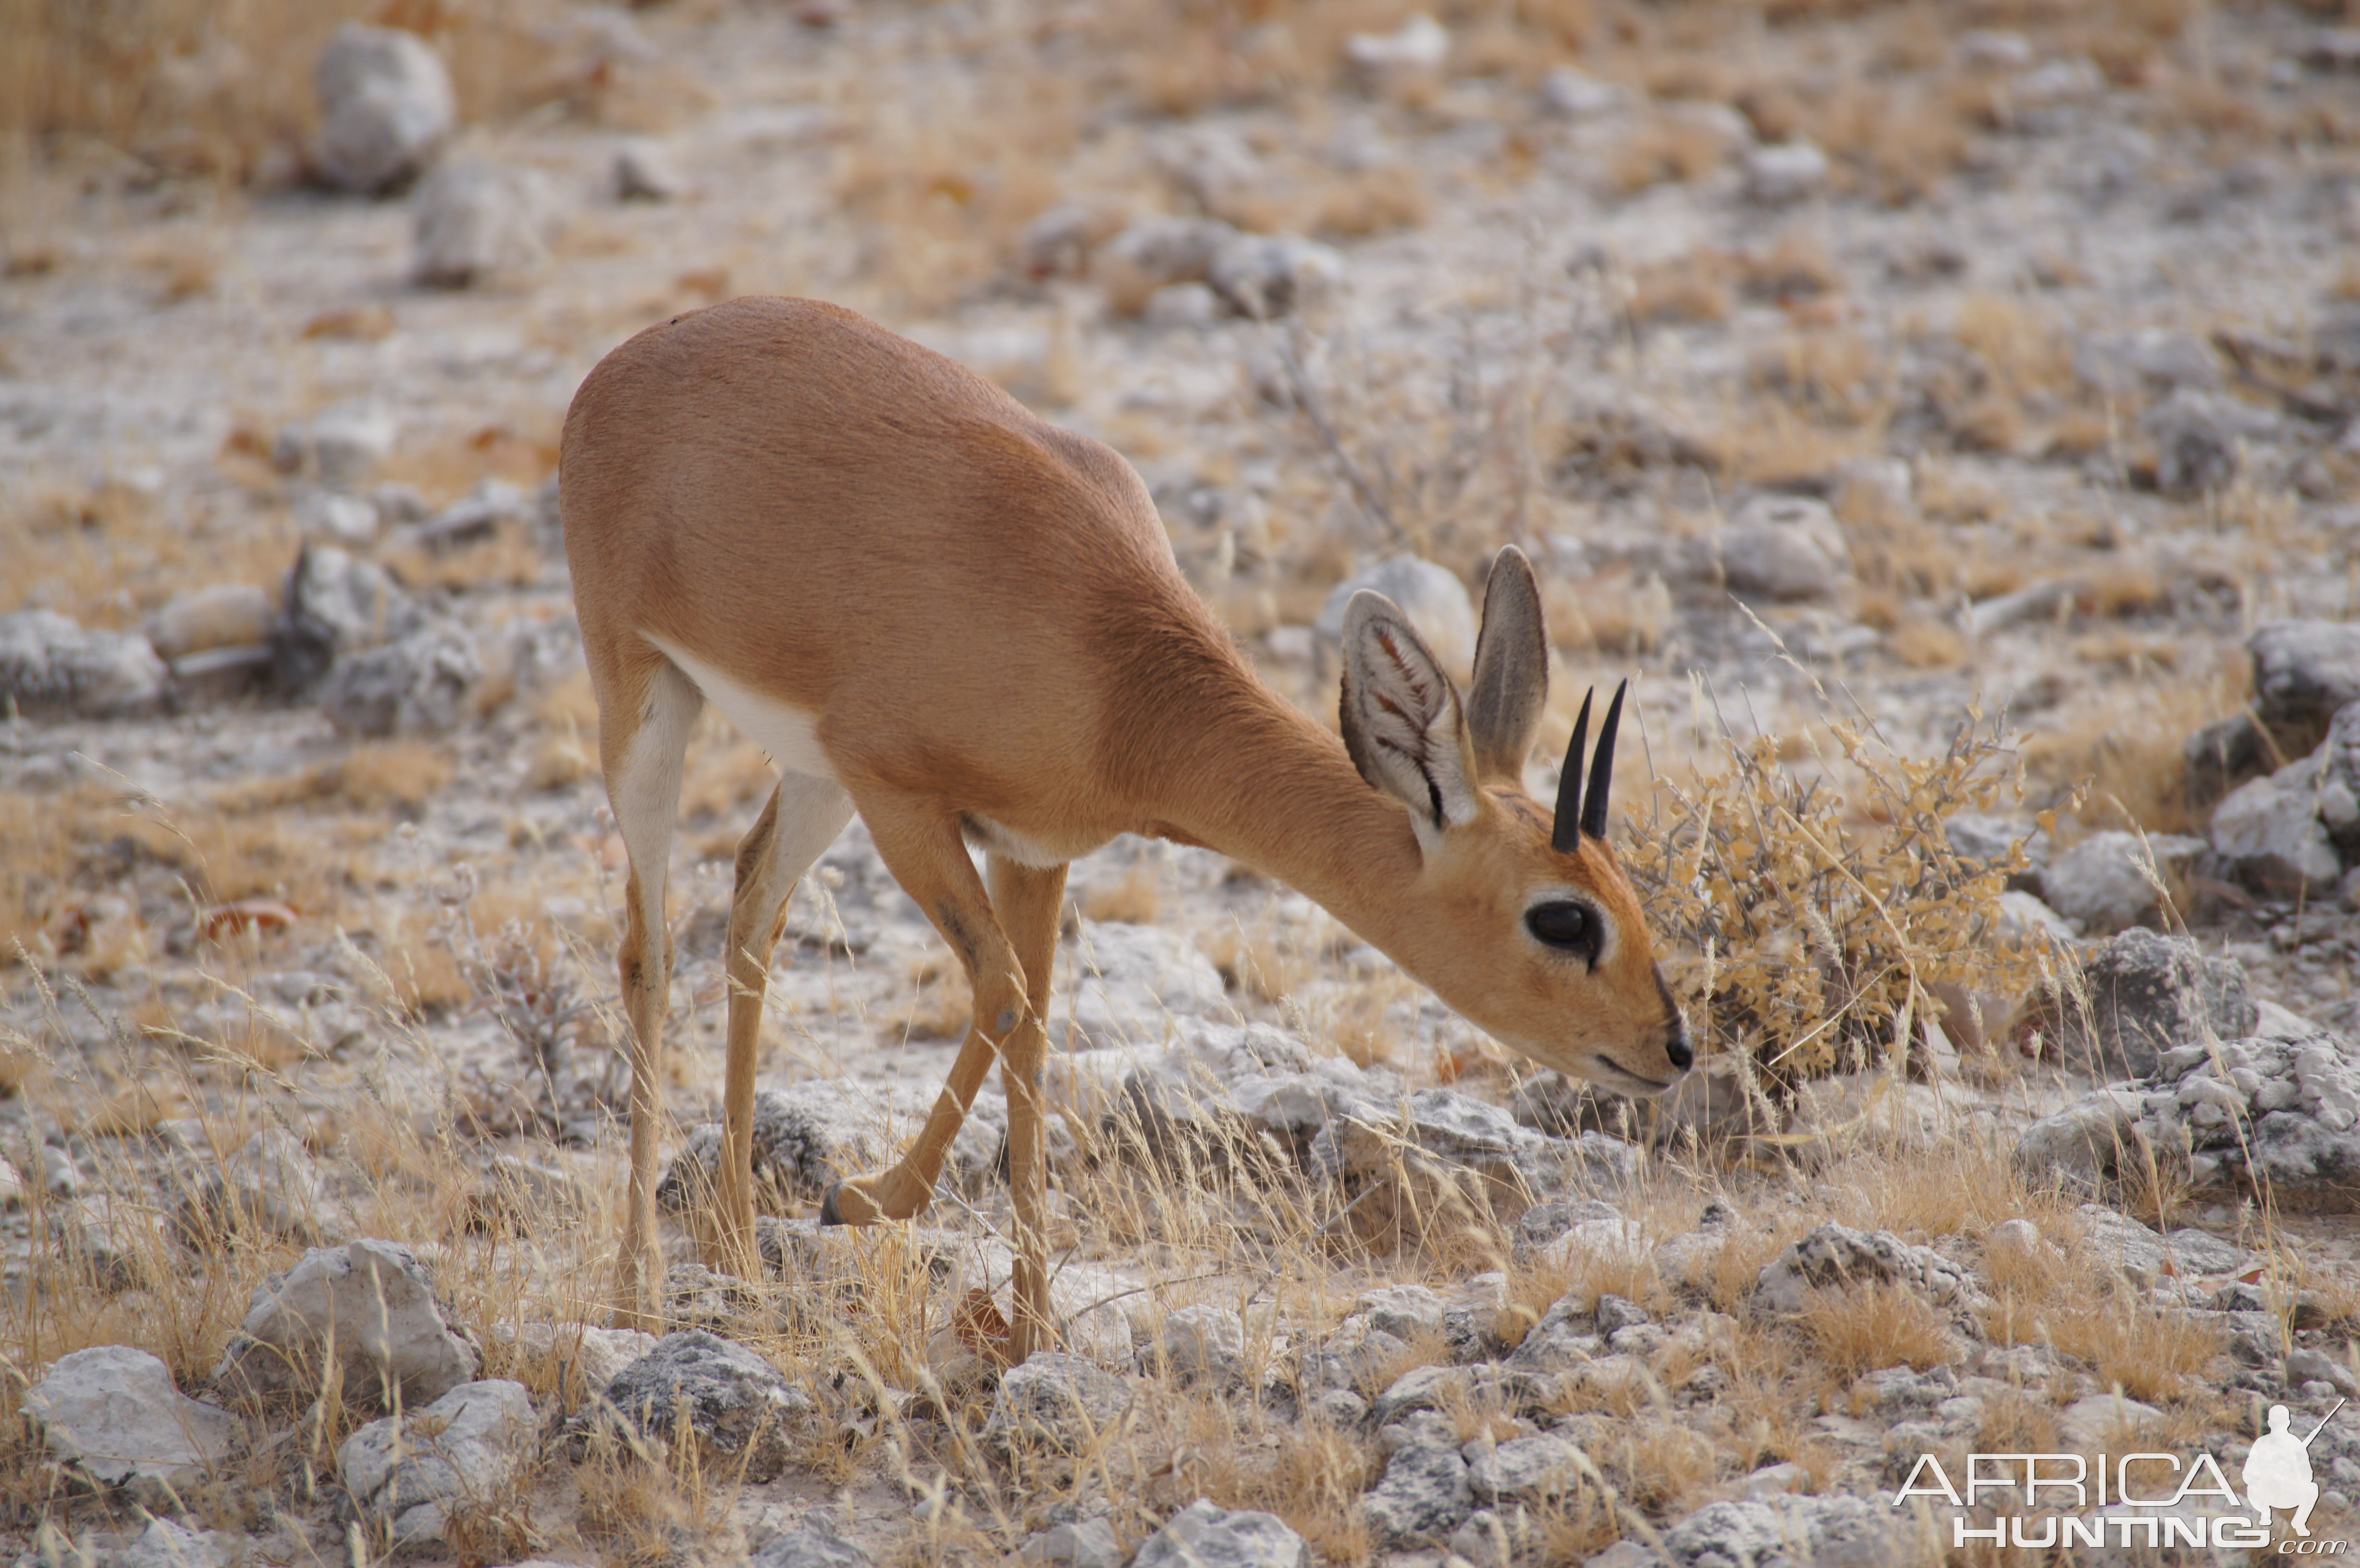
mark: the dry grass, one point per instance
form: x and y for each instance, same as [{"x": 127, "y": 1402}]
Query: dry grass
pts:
[
  {"x": 1869, "y": 1326},
  {"x": 1815, "y": 924}
]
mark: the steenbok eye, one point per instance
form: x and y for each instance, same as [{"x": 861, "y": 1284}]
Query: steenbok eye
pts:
[{"x": 1564, "y": 924}]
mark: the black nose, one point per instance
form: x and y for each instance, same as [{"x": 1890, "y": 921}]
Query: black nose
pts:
[{"x": 1677, "y": 1048}]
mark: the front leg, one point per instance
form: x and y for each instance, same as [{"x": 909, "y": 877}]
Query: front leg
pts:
[{"x": 920, "y": 843}]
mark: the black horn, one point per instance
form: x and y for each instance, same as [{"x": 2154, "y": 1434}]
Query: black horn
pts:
[
  {"x": 1565, "y": 834},
  {"x": 1601, "y": 769}
]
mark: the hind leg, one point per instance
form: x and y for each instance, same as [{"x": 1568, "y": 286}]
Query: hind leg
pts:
[
  {"x": 1029, "y": 899},
  {"x": 802, "y": 818},
  {"x": 644, "y": 728}
]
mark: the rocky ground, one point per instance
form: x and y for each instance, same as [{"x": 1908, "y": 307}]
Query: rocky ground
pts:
[{"x": 1864, "y": 386}]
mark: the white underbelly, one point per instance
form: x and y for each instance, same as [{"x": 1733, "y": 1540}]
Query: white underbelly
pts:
[{"x": 791, "y": 734}]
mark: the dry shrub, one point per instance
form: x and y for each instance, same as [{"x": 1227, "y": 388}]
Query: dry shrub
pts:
[
  {"x": 1814, "y": 925},
  {"x": 387, "y": 774},
  {"x": 1866, "y": 1327},
  {"x": 1615, "y": 612},
  {"x": 1691, "y": 288},
  {"x": 1665, "y": 149},
  {"x": 1137, "y": 900},
  {"x": 1838, "y": 377},
  {"x": 1795, "y": 266},
  {"x": 2149, "y": 1355}
]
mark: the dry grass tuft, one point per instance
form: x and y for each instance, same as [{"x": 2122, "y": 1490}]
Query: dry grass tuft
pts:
[{"x": 1870, "y": 1326}]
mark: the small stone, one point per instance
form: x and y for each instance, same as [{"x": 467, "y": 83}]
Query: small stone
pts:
[
  {"x": 1183, "y": 307},
  {"x": 2307, "y": 1366},
  {"x": 1614, "y": 1315},
  {"x": 2104, "y": 881},
  {"x": 1571, "y": 94},
  {"x": 111, "y": 1413},
  {"x": 1056, "y": 1402},
  {"x": 412, "y": 1474},
  {"x": 418, "y": 686},
  {"x": 1264, "y": 276},
  {"x": 734, "y": 1404},
  {"x": 2199, "y": 438},
  {"x": 1411, "y": 56},
  {"x": 167, "y": 1543},
  {"x": 1424, "y": 1496},
  {"x": 644, "y": 173},
  {"x": 1085, "y": 1543},
  {"x": 337, "y": 519},
  {"x": 1785, "y": 548},
  {"x": 386, "y": 105},
  {"x": 50, "y": 665},
  {"x": 2150, "y": 994},
  {"x": 475, "y": 220},
  {"x": 1833, "y": 1531},
  {"x": 339, "y": 447},
  {"x": 270, "y": 1186},
  {"x": 1836, "y": 1257},
  {"x": 1156, "y": 253},
  {"x": 2270, "y": 834},
  {"x": 369, "y": 1304},
  {"x": 1202, "y": 1341},
  {"x": 2305, "y": 672},
  {"x": 2092, "y": 1423},
  {"x": 1523, "y": 1470},
  {"x": 1786, "y": 173},
  {"x": 811, "y": 1542},
  {"x": 1432, "y": 596},
  {"x": 1203, "y": 1535},
  {"x": 222, "y": 616},
  {"x": 2014, "y": 1238}
]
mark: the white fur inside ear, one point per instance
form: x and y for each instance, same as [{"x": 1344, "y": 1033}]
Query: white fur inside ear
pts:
[{"x": 1401, "y": 719}]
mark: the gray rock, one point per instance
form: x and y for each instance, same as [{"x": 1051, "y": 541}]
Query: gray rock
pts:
[
  {"x": 1203, "y": 1535},
  {"x": 2150, "y": 994},
  {"x": 271, "y": 1186},
  {"x": 419, "y": 686},
  {"x": 1182, "y": 307},
  {"x": 2024, "y": 918},
  {"x": 1784, "y": 547},
  {"x": 369, "y": 1305},
  {"x": 2306, "y": 1365},
  {"x": 2103, "y": 881},
  {"x": 1432, "y": 596},
  {"x": 1084, "y": 1543},
  {"x": 334, "y": 603},
  {"x": 386, "y": 107},
  {"x": 2305, "y": 672},
  {"x": 1056, "y": 1402},
  {"x": 2092, "y": 1422},
  {"x": 2275, "y": 1110},
  {"x": 470, "y": 519},
  {"x": 167, "y": 1543},
  {"x": 1202, "y": 1341},
  {"x": 1794, "y": 1531},
  {"x": 1131, "y": 982},
  {"x": 1988, "y": 839},
  {"x": 1425, "y": 1496},
  {"x": 1615, "y": 1314},
  {"x": 1264, "y": 277},
  {"x": 475, "y": 220},
  {"x": 2272, "y": 833},
  {"x": 50, "y": 665},
  {"x": 811, "y": 1542},
  {"x": 1404, "y": 1312},
  {"x": 111, "y": 1413},
  {"x": 223, "y": 614},
  {"x": 1571, "y": 94},
  {"x": 642, "y": 172},
  {"x": 410, "y": 1474},
  {"x": 1523, "y": 1470},
  {"x": 1783, "y": 174},
  {"x": 2154, "y": 362},
  {"x": 1412, "y": 54},
  {"x": 2200, "y": 438},
  {"x": 339, "y": 447},
  {"x": 1154, "y": 253},
  {"x": 1837, "y": 1257},
  {"x": 733, "y": 1404}
]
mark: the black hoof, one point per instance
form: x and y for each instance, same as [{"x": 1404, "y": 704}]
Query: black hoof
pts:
[{"x": 829, "y": 1213}]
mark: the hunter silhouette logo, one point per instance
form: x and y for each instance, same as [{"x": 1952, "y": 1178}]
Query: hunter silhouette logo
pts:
[{"x": 2277, "y": 1471}]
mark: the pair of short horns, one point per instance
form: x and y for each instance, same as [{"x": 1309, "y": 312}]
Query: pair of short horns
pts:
[{"x": 1574, "y": 816}]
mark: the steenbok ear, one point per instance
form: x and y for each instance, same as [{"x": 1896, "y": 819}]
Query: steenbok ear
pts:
[
  {"x": 1401, "y": 718},
  {"x": 1505, "y": 699}
]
